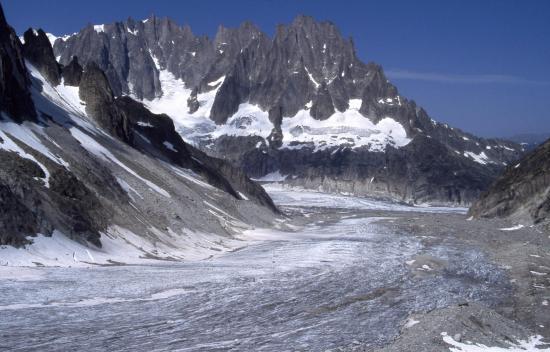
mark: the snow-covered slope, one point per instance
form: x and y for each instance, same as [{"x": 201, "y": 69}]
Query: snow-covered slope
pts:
[{"x": 73, "y": 193}]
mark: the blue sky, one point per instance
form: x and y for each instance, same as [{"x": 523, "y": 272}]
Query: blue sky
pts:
[{"x": 483, "y": 66}]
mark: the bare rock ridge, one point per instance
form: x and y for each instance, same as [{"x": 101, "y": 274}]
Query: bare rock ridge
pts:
[
  {"x": 522, "y": 192},
  {"x": 320, "y": 117},
  {"x": 65, "y": 174},
  {"x": 38, "y": 51}
]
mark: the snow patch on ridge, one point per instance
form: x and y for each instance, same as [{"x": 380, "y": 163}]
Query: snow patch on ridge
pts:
[
  {"x": 480, "y": 158},
  {"x": 100, "y": 28}
]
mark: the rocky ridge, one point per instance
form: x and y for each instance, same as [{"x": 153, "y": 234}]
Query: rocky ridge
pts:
[
  {"x": 522, "y": 192},
  {"x": 101, "y": 169}
]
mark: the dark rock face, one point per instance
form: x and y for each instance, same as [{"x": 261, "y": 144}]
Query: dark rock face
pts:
[
  {"x": 15, "y": 99},
  {"x": 522, "y": 192},
  {"x": 38, "y": 51},
  {"x": 96, "y": 92},
  {"x": 27, "y": 207},
  {"x": 72, "y": 73}
]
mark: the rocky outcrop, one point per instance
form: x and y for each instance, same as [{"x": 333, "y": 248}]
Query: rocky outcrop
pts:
[
  {"x": 72, "y": 73},
  {"x": 37, "y": 50},
  {"x": 15, "y": 99},
  {"x": 96, "y": 92},
  {"x": 522, "y": 192},
  {"x": 28, "y": 208},
  {"x": 132, "y": 123}
]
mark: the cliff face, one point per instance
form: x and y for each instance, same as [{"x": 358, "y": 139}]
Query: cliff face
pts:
[
  {"x": 15, "y": 99},
  {"x": 522, "y": 192}
]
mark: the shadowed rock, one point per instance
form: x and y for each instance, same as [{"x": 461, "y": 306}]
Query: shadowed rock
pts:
[
  {"x": 72, "y": 73},
  {"x": 522, "y": 192},
  {"x": 38, "y": 51},
  {"x": 15, "y": 99}
]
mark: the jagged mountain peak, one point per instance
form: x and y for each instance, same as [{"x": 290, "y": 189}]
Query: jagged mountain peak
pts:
[{"x": 303, "y": 89}]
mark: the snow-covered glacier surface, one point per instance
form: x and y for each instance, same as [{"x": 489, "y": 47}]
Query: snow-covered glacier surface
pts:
[{"x": 334, "y": 281}]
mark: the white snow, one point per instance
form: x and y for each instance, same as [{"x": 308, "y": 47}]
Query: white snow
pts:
[
  {"x": 217, "y": 82},
  {"x": 480, "y": 158},
  {"x": 134, "y": 32},
  {"x": 144, "y": 124},
  {"x": 355, "y": 104},
  {"x": 315, "y": 83},
  {"x": 51, "y": 38},
  {"x": 534, "y": 343},
  {"x": 513, "y": 228},
  {"x": 99, "y": 28},
  {"x": 348, "y": 128}
]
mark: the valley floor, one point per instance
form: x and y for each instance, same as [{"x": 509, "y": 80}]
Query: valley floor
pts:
[{"x": 350, "y": 274}]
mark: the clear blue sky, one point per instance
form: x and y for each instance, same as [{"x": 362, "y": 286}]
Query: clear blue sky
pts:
[{"x": 481, "y": 65}]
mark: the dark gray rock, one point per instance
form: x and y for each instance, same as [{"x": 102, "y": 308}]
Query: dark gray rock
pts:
[
  {"x": 38, "y": 51},
  {"x": 15, "y": 98},
  {"x": 322, "y": 107},
  {"x": 72, "y": 73},
  {"x": 28, "y": 207},
  {"x": 521, "y": 192},
  {"x": 96, "y": 92}
]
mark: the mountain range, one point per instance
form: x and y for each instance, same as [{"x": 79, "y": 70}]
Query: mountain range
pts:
[
  {"x": 299, "y": 107},
  {"x": 142, "y": 132}
]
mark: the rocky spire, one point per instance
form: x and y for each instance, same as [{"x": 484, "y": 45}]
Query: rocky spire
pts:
[
  {"x": 37, "y": 50},
  {"x": 15, "y": 98}
]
